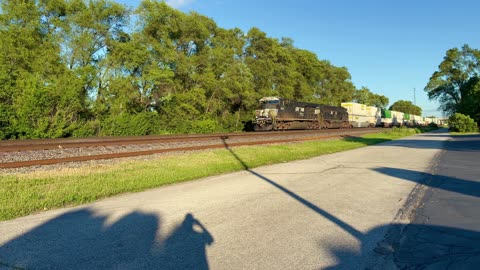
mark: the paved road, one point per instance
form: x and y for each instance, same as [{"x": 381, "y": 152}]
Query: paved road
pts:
[
  {"x": 328, "y": 212},
  {"x": 445, "y": 232}
]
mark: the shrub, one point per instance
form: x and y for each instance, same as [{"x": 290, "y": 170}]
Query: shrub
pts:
[
  {"x": 205, "y": 126},
  {"x": 462, "y": 123},
  {"x": 180, "y": 126},
  {"x": 124, "y": 124},
  {"x": 86, "y": 129}
]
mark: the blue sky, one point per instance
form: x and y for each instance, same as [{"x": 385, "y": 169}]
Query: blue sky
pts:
[{"x": 391, "y": 47}]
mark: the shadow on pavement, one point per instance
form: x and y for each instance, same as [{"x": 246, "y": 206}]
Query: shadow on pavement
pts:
[
  {"x": 84, "y": 240},
  {"x": 449, "y": 135},
  {"x": 464, "y": 143},
  {"x": 461, "y": 186},
  {"x": 437, "y": 247},
  {"x": 293, "y": 195},
  {"x": 415, "y": 246},
  {"x": 412, "y": 246}
]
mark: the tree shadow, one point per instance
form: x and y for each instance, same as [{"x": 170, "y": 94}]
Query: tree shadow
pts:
[
  {"x": 461, "y": 186},
  {"x": 366, "y": 141},
  {"x": 458, "y": 144},
  {"x": 467, "y": 143},
  {"x": 83, "y": 239},
  {"x": 438, "y": 135},
  {"x": 447, "y": 134},
  {"x": 414, "y": 246}
]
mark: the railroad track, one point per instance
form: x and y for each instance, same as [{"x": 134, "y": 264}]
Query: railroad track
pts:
[
  {"x": 169, "y": 144},
  {"x": 51, "y": 144}
]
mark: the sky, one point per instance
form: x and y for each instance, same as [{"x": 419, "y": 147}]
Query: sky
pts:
[{"x": 391, "y": 47}]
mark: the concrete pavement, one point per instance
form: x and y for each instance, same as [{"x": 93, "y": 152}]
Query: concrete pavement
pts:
[{"x": 326, "y": 212}]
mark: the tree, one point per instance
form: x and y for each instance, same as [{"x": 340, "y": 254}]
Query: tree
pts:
[
  {"x": 406, "y": 106},
  {"x": 455, "y": 83},
  {"x": 87, "y": 32},
  {"x": 334, "y": 84},
  {"x": 259, "y": 58},
  {"x": 38, "y": 93},
  {"x": 365, "y": 96}
]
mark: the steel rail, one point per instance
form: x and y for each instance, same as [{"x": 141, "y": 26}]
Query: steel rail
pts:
[
  {"x": 19, "y": 164},
  {"x": 33, "y": 145}
]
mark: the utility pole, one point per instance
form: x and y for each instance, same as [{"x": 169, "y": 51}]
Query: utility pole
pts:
[{"x": 414, "y": 97}]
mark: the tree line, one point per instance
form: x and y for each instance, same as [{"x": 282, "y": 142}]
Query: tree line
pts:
[{"x": 96, "y": 68}]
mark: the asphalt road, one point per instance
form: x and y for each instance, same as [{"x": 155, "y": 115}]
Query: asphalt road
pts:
[
  {"x": 339, "y": 211},
  {"x": 445, "y": 232}
]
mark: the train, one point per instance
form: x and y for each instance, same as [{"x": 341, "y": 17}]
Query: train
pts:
[{"x": 274, "y": 113}]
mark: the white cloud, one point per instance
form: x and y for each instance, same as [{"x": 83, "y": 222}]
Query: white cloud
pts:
[{"x": 179, "y": 3}]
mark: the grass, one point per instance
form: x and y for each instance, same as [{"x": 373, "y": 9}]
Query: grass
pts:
[
  {"x": 24, "y": 194},
  {"x": 463, "y": 133}
]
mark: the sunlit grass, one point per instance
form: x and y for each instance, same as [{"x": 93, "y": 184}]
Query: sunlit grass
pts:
[
  {"x": 24, "y": 194},
  {"x": 464, "y": 134}
]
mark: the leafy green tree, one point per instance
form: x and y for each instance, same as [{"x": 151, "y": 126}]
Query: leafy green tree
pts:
[
  {"x": 335, "y": 84},
  {"x": 455, "y": 83},
  {"x": 365, "y": 96},
  {"x": 38, "y": 92},
  {"x": 232, "y": 95},
  {"x": 470, "y": 104},
  {"x": 88, "y": 30},
  {"x": 139, "y": 80},
  {"x": 259, "y": 58},
  {"x": 308, "y": 68},
  {"x": 380, "y": 101},
  {"x": 406, "y": 107}
]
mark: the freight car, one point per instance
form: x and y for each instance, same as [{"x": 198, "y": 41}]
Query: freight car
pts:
[
  {"x": 398, "y": 119},
  {"x": 276, "y": 113},
  {"x": 361, "y": 115}
]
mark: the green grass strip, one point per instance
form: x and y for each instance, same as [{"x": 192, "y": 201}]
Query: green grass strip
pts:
[
  {"x": 24, "y": 194},
  {"x": 464, "y": 134}
]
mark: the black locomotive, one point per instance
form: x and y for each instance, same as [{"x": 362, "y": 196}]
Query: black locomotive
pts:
[{"x": 276, "y": 113}]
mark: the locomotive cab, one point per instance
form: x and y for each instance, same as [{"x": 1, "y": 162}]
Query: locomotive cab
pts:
[{"x": 265, "y": 113}]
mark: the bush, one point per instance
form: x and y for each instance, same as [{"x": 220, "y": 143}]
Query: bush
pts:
[
  {"x": 462, "y": 123},
  {"x": 180, "y": 126},
  {"x": 86, "y": 129},
  {"x": 401, "y": 131},
  {"x": 205, "y": 126},
  {"x": 124, "y": 124}
]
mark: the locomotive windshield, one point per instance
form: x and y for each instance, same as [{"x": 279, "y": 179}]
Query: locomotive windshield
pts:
[{"x": 268, "y": 104}]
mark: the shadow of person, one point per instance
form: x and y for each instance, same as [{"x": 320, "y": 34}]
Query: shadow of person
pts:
[
  {"x": 83, "y": 240},
  {"x": 185, "y": 247}
]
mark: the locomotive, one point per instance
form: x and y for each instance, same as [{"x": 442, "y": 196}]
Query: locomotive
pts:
[{"x": 275, "y": 113}]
